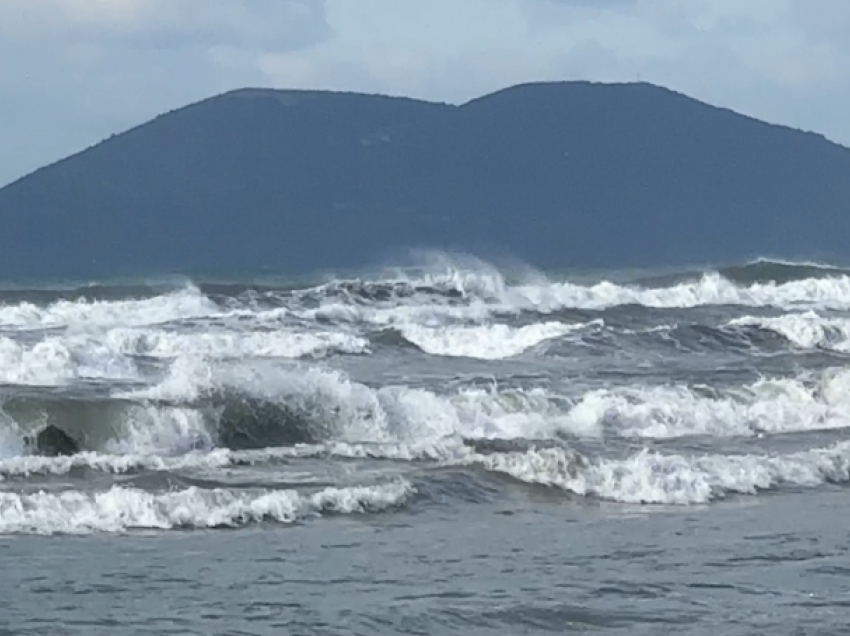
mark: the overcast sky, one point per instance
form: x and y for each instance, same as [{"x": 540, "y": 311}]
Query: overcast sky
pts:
[{"x": 74, "y": 71}]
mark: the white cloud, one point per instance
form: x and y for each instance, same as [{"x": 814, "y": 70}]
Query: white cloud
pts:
[
  {"x": 281, "y": 24},
  {"x": 823, "y": 19},
  {"x": 22, "y": 19}
]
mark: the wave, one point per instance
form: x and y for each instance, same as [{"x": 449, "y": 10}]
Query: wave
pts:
[
  {"x": 120, "y": 509},
  {"x": 114, "y": 354},
  {"x": 473, "y": 428},
  {"x": 475, "y": 294},
  {"x": 141, "y": 354},
  {"x": 807, "y": 330},
  {"x": 326, "y": 404},
  {"x": 251, "y": 406},
  {"x": 203, "y": 406},
  {"x": 485, "y": 342},
  {"x": 760, "y": 270},
  {"x": 780, "y": 405},
  {"x": 227, "y": 419},
  {"x": 83, "y": 313},
  {"x": 764, "y": 270},
  {"x": 448, "y": 298},
  {"x": 23, "y": 466},
  {"x": 644, "y": 477},
  {"x": 654, "y": 478},
  {"x": 230, "y": 345}
]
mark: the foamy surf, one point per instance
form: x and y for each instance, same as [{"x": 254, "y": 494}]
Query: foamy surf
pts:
[
  {"x": 450, "y": 288},
  {"x": 807, "y": 330},
  {"x": 179, "y": 305},
  {"x": 205, "y": 406},
  {"x": 120, "y": 509},
  {"x": 338, "y": 408},
  {"x": 116, "y": 463},
  {"x": 281, "y": 343},
  {"x": 654, "y": 478},
  {"x": 770, "y": 405},
  {"x": 334, "y": 407},
  {"x": 113, "y": 354},
  {"x": 486, "y": 342}
]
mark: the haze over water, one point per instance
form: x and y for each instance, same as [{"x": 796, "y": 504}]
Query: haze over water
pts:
[{"x": 447, "y": 448}]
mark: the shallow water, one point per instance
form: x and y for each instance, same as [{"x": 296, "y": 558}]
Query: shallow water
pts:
[{"x": 531, "y": 564}]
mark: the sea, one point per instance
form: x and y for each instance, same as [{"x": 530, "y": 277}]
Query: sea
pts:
[{"x": 450, "y": 446}]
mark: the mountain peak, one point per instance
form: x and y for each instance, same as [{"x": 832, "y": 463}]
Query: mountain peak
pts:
[{"x": 556, "y": 173}]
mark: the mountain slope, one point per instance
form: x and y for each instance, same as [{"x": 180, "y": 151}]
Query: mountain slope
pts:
[{"x": 560, "y": 174}]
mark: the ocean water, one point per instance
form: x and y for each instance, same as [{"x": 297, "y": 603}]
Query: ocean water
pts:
[{"x": 442, "y": 449}]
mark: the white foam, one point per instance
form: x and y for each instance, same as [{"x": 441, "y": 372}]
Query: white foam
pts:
[
  {"x": 420, "y": 417},
  {"x": 22, "y": 466},
  {"x": 485, "y": 342},
  {"x": 25, "y": 466},
  {"x": 46, "y": 363},
  {"x": 58, "y": 360},
  {"x": 346, "y": 411},
  {"x": 653, "y": 478},
  {"x": 146, "y": 428},
  {"x": 119, "y": 509},
  {"x": 464, "y": 274},
  {"x": 423, "y": 311},
  {"x": 183, "y": 304},
  {"x": 281, "y": 343},
  {"x": 342, "y": 410},
  {"x": 645, "y": 477},
  {"x": 710, "y": 289},
  {"x": 807, "y": 330},
  {"x": 484, "y": 290},
  {"x": 11, "y": 437}
]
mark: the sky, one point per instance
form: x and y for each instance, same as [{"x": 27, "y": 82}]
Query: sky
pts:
[{"x": 73, "y": 72}]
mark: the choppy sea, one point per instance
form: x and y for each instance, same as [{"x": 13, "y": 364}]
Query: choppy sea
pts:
[{"x": 451, "y": 448}]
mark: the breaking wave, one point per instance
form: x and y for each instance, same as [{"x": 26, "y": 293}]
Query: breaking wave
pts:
[
  {"x": 654, "y": 478},
  {"x": 246, "y": 407},
  {"x": 807, "y": 330},
  {"x": 486, "y": 342},
  {"x": 120, "y": 509}
]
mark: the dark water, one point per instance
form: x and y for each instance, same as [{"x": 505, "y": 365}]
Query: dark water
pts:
[{"x": 451, "y": 449}]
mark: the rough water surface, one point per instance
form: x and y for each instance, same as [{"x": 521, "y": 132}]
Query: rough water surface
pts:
[{"x": 443, "y": 449}]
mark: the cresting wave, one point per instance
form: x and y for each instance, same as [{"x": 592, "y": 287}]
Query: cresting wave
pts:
[
  {"x": 203, "y": 402},
  {"x": 119, "y": 509},
  {"x": 348, "y": 419},
  {"x": 446, "y": 313},
  {"x": 654, "y": 478},
  {"x": 643, "y": 478},
  {"x": 486, "y": 342},
  {"x": 807, "y": 330},
  {"x": 758, "y": 284},
  {"x": 450, "y": 292},
  {"x": 251, "y": 406}
]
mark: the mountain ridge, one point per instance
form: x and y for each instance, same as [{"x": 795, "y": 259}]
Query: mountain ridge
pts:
[{"x": 559, "y": 174}]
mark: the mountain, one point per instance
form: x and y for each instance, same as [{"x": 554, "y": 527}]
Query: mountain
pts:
[{"x": 556, "y": 174}]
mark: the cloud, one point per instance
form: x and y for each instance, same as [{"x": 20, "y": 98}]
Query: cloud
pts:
[
  {"x": 276, "y": 24},
  {"x": 596, "y": 5},
  {"x": 823, "y": 19},
  {"x": 548, "y": 15}
]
